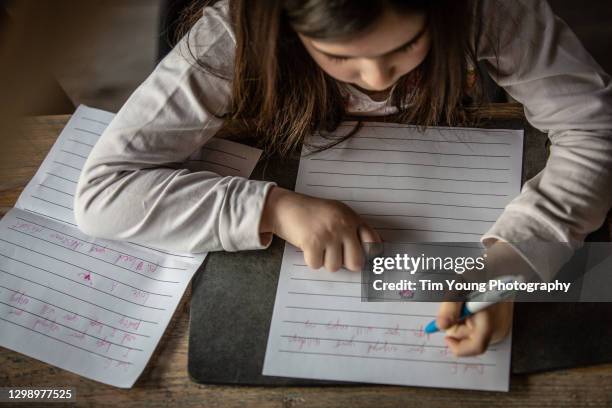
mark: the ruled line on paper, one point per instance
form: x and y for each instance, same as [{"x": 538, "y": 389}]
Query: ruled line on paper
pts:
[
  {"x": 405, "y": 189},
  {"x": 97, "y": 274},
  {"x": 407, "y": 176},
  {"x": 80, "y": 142},
  {"x": 70, "y": 328},
  {"x": 77, "y": 298},
  {"x": 409, "y": 164},
  {"x": 429, "y": 140},
  {"x": 67, "y": 165},
  {"x": 61, "y": 177},
  {"x": 424, "y": 216},
  {"x": 416, "y": 202},
  {"x": 429, "y": 316},
  {"x": 418, "y": 151},
  {"x": 104, "y": 247},
  {"x": 473, "y": 132},
  {"x": 80, "y": 156},
  {"x": 223, "y": 151},
  {"x": 215, "y": 163},
  {"x": 377, "y": 173},
  {"x": 82, "y": 284},
  {"x": 384, "y": 358},
  {"x": 88, "y": 131},
  {"x": 114, "y": 318},
  {"x": 71, "y": 312},
  {"x": 95, "y": 120},
  {"x": 67, "y": 343}
]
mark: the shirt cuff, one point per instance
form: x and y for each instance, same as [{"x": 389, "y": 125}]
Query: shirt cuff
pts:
[
  {"x": 533, "y": 239},
  {"x": 241, "y": 213}
]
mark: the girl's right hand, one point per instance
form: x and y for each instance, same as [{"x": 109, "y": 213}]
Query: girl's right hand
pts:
[{"x": 328, "y": 232}]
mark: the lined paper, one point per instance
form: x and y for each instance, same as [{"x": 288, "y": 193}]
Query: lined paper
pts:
[
  {"x": 95, "y": 307},
  {"x": 441, "y": 185}
]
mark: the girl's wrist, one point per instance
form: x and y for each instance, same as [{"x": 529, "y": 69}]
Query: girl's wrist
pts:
[{"x": 268, "y": 222}]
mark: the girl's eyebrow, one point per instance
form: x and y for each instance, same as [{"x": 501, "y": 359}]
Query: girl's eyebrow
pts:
[{"x": 406, "y": 44}]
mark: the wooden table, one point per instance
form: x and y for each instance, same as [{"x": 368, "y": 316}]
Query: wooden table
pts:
[{"x": 166, "y": 381}]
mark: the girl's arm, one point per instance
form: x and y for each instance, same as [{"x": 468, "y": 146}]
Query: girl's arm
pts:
[
  {"x": 129, "y": 189},
  {"x": 543, "y": 65}
]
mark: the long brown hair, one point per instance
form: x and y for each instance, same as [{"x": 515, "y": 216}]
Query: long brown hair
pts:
[{"x": 284, "y": 96}]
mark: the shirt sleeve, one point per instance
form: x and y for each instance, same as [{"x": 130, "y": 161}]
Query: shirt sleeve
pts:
[
  {"x": 132, "y": 186},
  {"x": 540, "y": 62}
]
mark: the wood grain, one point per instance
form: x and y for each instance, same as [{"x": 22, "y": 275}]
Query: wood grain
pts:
[{"x": 166, "y": 381}]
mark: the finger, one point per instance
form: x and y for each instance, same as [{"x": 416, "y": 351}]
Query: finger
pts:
[
  {"x": 353, "y": 254},
  {"x": 333, "y": 257},
  {"x": 371, "y": 241},
  {"x": 313, "y": 257},
  {"x": 448, "y": 314},
  {"x": 459, "y": 331},
  {"x": 367, "y": 234},
  {"x": 470, "y": 346}
]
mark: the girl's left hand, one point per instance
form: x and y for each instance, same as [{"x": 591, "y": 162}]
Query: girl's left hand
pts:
[{"x": 473, "y": 335}]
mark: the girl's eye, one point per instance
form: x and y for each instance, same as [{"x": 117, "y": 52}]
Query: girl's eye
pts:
[
  {"x": 409, "y": 46},
  {"x": 337, "y": 59}
]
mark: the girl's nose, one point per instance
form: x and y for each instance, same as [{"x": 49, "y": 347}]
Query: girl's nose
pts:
[{"x": 377, "y": 75}]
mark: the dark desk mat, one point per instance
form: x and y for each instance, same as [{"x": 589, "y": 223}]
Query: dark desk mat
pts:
[{"x": 233, "y": 298}]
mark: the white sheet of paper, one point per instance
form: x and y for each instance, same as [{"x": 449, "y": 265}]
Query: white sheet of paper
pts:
[
  {"x": 443, "y": 185},
  {"x": 95, "y": 307}
]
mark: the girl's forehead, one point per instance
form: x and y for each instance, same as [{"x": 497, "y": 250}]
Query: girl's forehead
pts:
[{"x": 389, "y": 32}]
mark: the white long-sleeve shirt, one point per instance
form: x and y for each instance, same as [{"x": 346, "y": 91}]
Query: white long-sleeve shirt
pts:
[{"x": 129, "y": 190}]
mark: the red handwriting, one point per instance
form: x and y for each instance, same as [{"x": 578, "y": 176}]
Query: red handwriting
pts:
[
  {"x": 129, "y": 323},
  {"x": 87, "y": 277},
  {"x": 69, "y": 317},
  {"x": 97, "y": 249},
  {"x": 19, "y": 298},
  {"x": 46, "y": 325},
  {"x": 121, "y": 364},
  {"x": 363, "y": 330},
  {"x": 418, "y": 349},
  {"x": 336, "y": 325},
  {"x": 309, "y": 325},
  {"x": 345, "y": 343},
  {"x": 127, "y": 338},
  {"x": 69, "y": 242},
  {"x": 381, "y": 347},
  {"x": 406, "y": 294},
  {"x": 303, "y": 341},
  {"x": 393, "y": 331},
  {"x": 17, "y": 312},
  {"x": 96, "y": 324},
  {"x": 135, "y": 264},
  {"x": 46, "y": 309},
  {"x": 24, "y": 226},
  {"x": 103, "y": 344},
  {"x": 420, "y": 332},
  {"x": 77, "y": 335},
  {"x": 445, "y": 351},
  {"x": 140, "y": 295}
]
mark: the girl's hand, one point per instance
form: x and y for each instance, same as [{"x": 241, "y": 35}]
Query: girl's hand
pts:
[
  {"x": 473, "y": 335},
  {"x": 328, "y": 231}
]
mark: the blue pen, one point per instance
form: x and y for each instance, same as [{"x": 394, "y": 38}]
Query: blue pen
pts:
[{"x": 480, "y": 302}]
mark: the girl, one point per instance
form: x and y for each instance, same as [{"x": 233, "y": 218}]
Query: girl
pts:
[{"x": 292, "y": 67}]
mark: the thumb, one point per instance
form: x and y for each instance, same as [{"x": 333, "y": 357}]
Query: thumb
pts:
[{"x": 448, "y": 314}]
